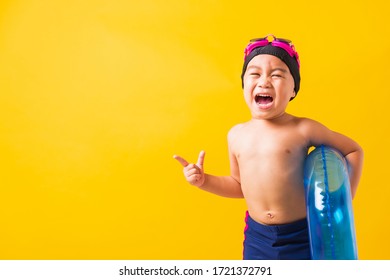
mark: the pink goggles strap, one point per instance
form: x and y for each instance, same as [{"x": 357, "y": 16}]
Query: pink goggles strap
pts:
[{"x": 289, "y": 48}]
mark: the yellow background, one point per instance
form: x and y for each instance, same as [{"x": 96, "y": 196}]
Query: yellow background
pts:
[{"x": 96, "y": 96}]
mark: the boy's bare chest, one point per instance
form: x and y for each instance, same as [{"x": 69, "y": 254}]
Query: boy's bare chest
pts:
[{"x": 282, "y": 145}]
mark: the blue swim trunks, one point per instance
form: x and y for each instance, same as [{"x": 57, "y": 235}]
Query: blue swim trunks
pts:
[{"x": 276, "y": 242}]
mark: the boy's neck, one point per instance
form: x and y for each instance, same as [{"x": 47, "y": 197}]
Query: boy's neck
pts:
[{"x": 282, "y": 118}]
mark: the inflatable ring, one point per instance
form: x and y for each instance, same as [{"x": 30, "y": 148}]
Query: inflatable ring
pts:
[{"x": 329, "y": 206}]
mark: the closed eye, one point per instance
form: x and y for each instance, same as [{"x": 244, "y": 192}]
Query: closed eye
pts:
[{"x": 278, "y": 72}]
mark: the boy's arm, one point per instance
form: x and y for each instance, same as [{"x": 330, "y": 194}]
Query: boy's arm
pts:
[
  {"x": 226, "y": 186},
  {"x": 355, "y": 161},
  {"x": 321, "y": 135}
]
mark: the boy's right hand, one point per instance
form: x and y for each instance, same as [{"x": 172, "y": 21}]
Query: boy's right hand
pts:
[{"x": 193, "y": 173}]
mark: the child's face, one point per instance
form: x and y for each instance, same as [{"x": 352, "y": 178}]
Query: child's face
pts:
[{"x": 268, "y": 86}]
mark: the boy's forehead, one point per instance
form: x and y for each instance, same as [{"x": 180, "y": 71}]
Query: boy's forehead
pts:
[{"x": 262, "y": 60}]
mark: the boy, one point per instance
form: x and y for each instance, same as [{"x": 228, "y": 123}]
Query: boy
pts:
[{"x": 267, "y": 155}]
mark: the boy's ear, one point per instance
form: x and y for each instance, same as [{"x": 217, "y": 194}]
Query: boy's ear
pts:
[{"x": 293, "y": 96}]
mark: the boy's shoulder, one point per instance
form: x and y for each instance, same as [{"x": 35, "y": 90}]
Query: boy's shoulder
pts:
[
  {"x": 236, "y": 131},
  {"x": 307, "y": 122},
  {"x": 237, "y": 128}
]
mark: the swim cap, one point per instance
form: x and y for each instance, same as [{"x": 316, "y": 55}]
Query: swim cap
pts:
[{"x": 280, "y": 53}]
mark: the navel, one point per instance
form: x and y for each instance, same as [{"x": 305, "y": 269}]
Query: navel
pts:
[{"x": 270, "y": 216}]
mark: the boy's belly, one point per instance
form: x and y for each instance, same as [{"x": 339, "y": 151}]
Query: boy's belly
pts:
[{"x": 282, "y": 211}]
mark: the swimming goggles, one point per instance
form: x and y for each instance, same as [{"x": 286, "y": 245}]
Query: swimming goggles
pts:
[{"x": 276, "y": 42}]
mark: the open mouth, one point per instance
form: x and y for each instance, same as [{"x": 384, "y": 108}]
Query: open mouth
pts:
[{"x": 263, "y": 99}]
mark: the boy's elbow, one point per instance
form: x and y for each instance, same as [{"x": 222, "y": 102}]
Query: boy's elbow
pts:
[
  {"x": 357, "y": 151},
  {"x": 360, "y": 153},
  {"x": 356, "y": 156}
]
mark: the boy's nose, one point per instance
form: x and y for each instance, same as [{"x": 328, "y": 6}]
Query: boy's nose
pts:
[{"x": 263, "y": 82}]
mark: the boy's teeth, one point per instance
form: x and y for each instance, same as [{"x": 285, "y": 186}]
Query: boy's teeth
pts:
[{"x": 263, "y": 99}]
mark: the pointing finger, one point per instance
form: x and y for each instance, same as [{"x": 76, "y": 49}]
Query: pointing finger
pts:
[
  {"x": 181, "y": 160},
  {"x": 201, "y": 159}
]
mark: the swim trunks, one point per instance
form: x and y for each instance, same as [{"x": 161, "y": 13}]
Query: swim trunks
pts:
[{"x": 276, "y": 242}]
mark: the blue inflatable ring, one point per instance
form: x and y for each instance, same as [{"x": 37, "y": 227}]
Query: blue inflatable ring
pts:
[{"x": 329, "y": 206}]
